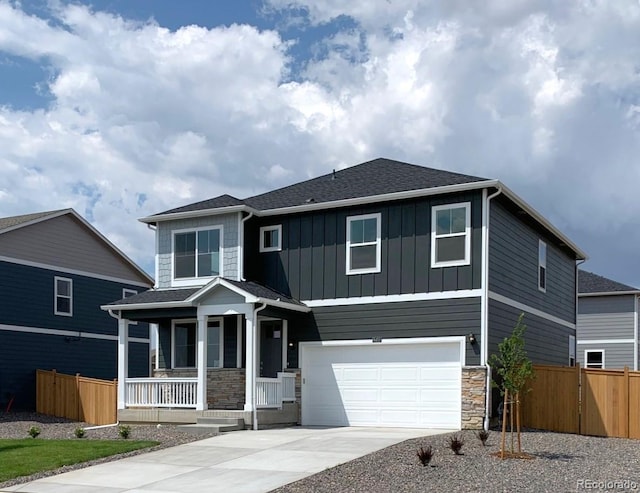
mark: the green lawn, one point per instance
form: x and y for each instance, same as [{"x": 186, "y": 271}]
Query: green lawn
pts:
[{"x": 28, "y": 456}]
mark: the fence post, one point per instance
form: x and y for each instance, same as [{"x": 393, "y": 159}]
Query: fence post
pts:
[
  {"x": 579, "y": 396},
  {"x": 625, "y": 399},
  {"x": 55, "y": 393}
]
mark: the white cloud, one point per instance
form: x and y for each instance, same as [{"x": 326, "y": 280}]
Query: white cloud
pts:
[{"x": 518, "y": 90}]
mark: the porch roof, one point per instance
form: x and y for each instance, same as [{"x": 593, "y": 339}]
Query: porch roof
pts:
[{"x": 252, "y": 292}]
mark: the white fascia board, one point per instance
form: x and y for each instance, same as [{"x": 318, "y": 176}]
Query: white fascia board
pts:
[
  {"x": 529, "y": 309},
  {"x": 543, "y": 221},
  {"x": 371, "y": 199},
  {"x": 199, "y": 213},
  {"x": 219, "y": 281},
  {"x": 284, "y": 304},
  {"x": 610, "y": 293},
  {"x": 147, "y": 306},
  {"x": 396, "y": 298}
]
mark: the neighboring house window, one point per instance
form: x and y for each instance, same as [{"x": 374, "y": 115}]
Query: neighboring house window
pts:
[
  {"x": 63, "y": 298},
  {"x": 572, "y": 350},
  {"x": 451, "y": 235},
  {"x": 271, "y": 238},
  {"x": 594, "y": 358},
  {"x": 542, "y": 266},
  {"x": 197, "y": 253},
  {"x": 185, "y": 343},
  {"x": 363, "y": 244},
  {"x": 126, "y": 293}
]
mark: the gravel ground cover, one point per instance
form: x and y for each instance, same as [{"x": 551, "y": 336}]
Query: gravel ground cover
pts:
[
  {"x": 16, "y": 425},
  {"x": 561, "y": 463}
]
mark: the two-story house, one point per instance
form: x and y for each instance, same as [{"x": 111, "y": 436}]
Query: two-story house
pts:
[
  {"x": 56, "y": 270},
  {"x": 608, "y": 322},
  {"x": 372, "y": 295}
]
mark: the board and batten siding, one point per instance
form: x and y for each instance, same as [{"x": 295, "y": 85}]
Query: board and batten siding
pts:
[
  {"x": 312, "y": 262},
  {"x": 67, "y": 243},
  {"x": 513, "y": 265},
  {"x": 607, "y": 318},
  {"x": 432, "y": 318},
  {"x": 165, "y": 229},
  {"x": 546, "y": 342}
]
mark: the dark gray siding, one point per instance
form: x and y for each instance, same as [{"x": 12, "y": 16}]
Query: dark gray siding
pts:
[
  {"x": 437, "y": 318},
  {"x": 545, "y": 342},
  {"x": 513, "y": 265},
  {"x": 22, "y": 353},
  {"x": 311, "y": 264}
]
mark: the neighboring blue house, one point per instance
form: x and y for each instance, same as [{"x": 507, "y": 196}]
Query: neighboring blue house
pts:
[
  {"x": 55, "y": 272},
  {"x": 369, "y": 296},
  {"x": 607, "y": 323}
]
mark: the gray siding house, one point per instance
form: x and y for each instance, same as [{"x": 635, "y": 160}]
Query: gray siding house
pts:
[
  {"x": 607, "y": 323},
  {"x": 56, "y": 270},
  {"x": 370, "y": 296}
]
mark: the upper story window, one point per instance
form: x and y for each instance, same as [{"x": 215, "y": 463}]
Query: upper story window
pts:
[
  {"x": 363, "y": 244},
  {"x": 594, "y": 358},
  {"x": 197, "y": 253},
  {"x": 451, "y": 235},
  {"x": 63, "y": 297},
  {"x": 271, "y": 238},
  {"x": 542, "y": 266}
]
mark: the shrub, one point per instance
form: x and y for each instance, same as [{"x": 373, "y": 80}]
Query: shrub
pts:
[
  {"x": 124, "y": 431},
  {"x": 483, "y": 436},
  {"x": 455, "y": 444},
  {"x": 34, "y": 431},
  {"x": 79, "y": 432},
  {"x": 425, "y": 455}
]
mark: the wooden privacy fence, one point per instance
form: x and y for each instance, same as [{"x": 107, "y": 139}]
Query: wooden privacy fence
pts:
[
  {"x": 76, "y": 398},
  {"x": 585, "y": 401}
]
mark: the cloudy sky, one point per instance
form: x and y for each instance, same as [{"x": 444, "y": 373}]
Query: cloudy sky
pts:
[{"x": 122, "y": 108}]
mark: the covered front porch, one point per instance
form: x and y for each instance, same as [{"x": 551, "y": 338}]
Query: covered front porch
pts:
[{"x": 223, "y": 350}]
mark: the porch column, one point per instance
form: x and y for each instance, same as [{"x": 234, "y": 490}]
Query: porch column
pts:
[
  {"x": 250, "y": 370},
  {"x": 201, "y": 403},
  {"x": 123, "y": 360}
]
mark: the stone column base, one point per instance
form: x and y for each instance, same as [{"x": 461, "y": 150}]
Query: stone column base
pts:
[{"x": 474, "y": 386}]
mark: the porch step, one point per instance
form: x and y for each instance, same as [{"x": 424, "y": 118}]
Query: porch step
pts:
[{"x": 207, "y": 425}]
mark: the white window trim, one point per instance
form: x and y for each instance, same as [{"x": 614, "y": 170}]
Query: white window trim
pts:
[
  {"x": 544, "y": 265},
  {"x": 55, "y": 296},
  {"x": 466, "y": 234},
  {"x": 195, "y": 281},
  {"x": 276, "y": 227},
  {"x": 377, "y": 243},
  {"x": 572, "y": 350},
  {"x": 126, "y": 291},
  {"x": 195, "y": 321},
  {"x": 587, "y": 351}
]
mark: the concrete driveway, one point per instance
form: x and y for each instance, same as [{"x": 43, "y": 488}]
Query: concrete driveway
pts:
[{"x": 242, "y": 461}]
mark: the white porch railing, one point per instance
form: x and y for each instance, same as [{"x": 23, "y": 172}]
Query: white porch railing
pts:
[
  {"x": 272, "y": 392},
  {"x": 161, "y": 392}
]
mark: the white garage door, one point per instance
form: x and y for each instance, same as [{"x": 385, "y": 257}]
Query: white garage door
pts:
[{"x": 382, "y": 384}]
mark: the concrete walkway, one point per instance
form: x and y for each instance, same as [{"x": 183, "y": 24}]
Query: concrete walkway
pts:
[{"x": 242, "y": 461}]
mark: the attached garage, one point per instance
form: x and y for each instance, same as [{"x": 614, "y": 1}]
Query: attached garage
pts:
[{"x": 413, "y": 383}]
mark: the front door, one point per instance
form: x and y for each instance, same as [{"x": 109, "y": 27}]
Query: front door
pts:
[{"x": 270, "y": 348}]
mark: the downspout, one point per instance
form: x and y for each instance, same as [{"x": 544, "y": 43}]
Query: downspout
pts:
[
  {"x": 154, "y": 228},
  {"x": 255, "y": 367},
  {"x": 241, "y": 247},
  {"x": 484, "y": 323}
]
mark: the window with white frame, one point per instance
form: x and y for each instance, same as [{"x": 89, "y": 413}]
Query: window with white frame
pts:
[
  {"x": 542, "y": 266},
  {"x": 594, "y": 358},
  {"x": 271, "y": 238},
  {"x": 63, "y": 296},
  {"x": 572, "y": 350},
  {"x": 126, "y": 293},
  {"x": 185, "y": 343},
  {"x": 451, "y": 235},
  {"x": 363, "y": 244},
  {"x": 197, "y": 253}
]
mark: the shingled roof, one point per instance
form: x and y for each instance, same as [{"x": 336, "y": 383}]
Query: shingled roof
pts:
[
  {"x": 13, "y": 221},
  {"x": 377, "y": 177},
  {"x": 588, "y": 282}
]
